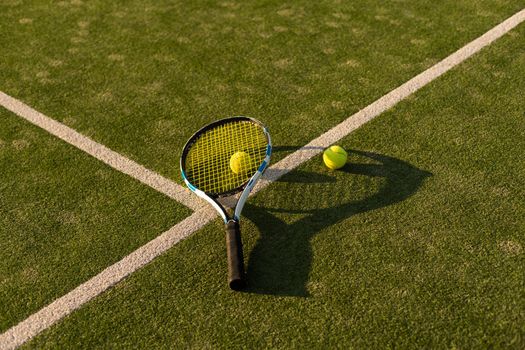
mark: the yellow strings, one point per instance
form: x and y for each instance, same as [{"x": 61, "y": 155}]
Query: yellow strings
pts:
[{"x": 208, "y": 160}]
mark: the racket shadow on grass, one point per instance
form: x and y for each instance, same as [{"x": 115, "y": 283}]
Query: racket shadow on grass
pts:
[{"x": 281, "y": 259}]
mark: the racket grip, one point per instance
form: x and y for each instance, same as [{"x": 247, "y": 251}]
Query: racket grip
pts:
[{"x": 236, "y": 277}]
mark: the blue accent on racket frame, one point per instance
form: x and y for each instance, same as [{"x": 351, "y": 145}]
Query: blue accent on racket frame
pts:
[
  {"x": 263, "y": 165},
  {"x": 268, "y": 150},
  {"x": 190, "y": 186}
]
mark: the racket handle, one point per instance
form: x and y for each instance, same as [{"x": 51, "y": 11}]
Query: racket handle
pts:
[{"x": 236, "y": 278}]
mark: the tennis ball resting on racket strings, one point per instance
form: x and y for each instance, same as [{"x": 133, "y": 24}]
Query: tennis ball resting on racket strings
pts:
[
  {"x": 240, "y": 162},
  {"x": 335, "y": 157}
]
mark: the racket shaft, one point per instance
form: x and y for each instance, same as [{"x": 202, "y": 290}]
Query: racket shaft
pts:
[{"x": 236, "y": 278}]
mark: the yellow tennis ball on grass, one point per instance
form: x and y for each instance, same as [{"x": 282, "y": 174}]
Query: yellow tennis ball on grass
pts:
[
  {"x": 240, "y": 162},
  {"x": 335, "y": 157}
]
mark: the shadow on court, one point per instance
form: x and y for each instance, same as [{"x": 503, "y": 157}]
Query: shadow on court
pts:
[{"x": 281, "y": 260}]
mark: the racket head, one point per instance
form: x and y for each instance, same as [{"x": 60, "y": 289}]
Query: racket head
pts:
[{"x": 205, "y": 161}]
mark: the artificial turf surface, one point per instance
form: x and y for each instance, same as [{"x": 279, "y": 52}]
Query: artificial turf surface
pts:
[
  {"x": 141, "y": 76},
  {"x": 417, "y": 243},
  {"x": 64, "y": 217}
]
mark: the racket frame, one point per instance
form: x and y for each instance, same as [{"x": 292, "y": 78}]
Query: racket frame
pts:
[{"x": 245, "y": 188}]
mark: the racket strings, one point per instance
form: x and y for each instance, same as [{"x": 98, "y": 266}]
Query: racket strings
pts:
[{"x": 208, "y": 160}]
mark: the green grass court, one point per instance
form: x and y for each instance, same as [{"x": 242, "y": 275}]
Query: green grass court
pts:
[{"x": 418, "y": 242}]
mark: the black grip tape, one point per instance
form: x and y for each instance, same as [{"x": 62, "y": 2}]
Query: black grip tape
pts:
[{"x": 236, "y": 277}]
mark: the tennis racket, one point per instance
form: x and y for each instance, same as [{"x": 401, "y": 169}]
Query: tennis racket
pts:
[{"x": 220, "y": 160}]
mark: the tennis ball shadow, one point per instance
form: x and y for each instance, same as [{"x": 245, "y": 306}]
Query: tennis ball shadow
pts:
[{"x": 280, "y": 262}]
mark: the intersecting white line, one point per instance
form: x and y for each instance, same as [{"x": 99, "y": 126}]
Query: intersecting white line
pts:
[
  {"x": 63, "y": 306},
  {"x": 102, "y": 153}
]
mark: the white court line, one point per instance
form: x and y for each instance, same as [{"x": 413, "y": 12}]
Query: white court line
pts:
[
  {"x": 102, "y": 153},
  {"x": 387, "y": 101},
  {"x": 66, "y": 304}
]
